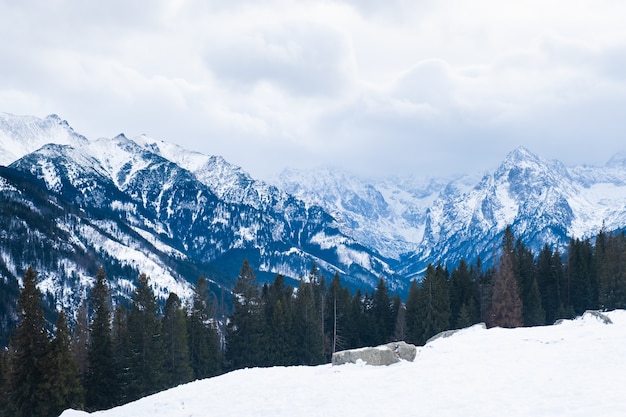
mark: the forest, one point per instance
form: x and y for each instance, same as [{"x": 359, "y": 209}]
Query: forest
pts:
[{"x": 114, "y": 355}]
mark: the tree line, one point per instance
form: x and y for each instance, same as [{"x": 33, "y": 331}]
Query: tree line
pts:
[{"x": 113, "y": 357}]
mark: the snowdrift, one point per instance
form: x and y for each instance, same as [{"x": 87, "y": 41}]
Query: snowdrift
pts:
[{"x": 575, "y": 368}]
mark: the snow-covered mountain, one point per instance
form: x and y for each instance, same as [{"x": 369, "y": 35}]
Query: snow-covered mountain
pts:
[
  {"x": 543, "y": 201},
  {"x": 569, "y": 369},
  {"x": 388, "y": 215},
  {"x": 140, "y": 205},
  {"x": 434, "y": 221}
]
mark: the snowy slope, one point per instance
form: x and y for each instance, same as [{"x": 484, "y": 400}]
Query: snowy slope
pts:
[{"x": 570, "y": 369}]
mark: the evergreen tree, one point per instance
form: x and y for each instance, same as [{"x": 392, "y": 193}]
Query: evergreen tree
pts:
[
  {"x": 399, "y": 312},
  {"x": 245, "y": 343},
  {"x": 307, "y": 327},
  {"x": 338, "y": 315},
  {"x": 433, "y": 304},
  {"x": 145, "y": 368},
  {"x": 463, "y": 292},
  {"x": 524, "y": 270},
  {"x": 204, "y": 346},
  {"x": 550, "y": 284},
  {"x": 176, "y": 362},
  {"x": 580, "y": 276},
  {"x": 63, "y": 381},
  {"x": 277, "y": 299},
  {"x": 80, "y": 341},
  {"x": 611, "y": 270},
  {"x": 101, "y": 381},
  {"x": 29, "y": 360},
  {"x": 413, "y": 325},
  {"x": 121, "y": 352},
  {"x": 506, "y": 304},
  {"x": 382, "y": 315}
]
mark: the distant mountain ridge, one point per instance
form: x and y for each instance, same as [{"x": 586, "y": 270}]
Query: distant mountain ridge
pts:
[{"x": 544, "y": 201}]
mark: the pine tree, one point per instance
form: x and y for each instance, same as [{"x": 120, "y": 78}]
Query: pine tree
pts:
[
  {"x": 506, "y": 304},
  {"x": 176, "y": 363},
  {"x": 463, "y": 292},
  {"x": 399, "y": 312},
  {"x": 144, "y": 339},
  {"x": 277, "y": 300},
  {"x": 101, "y": 383},
  {"x": 338, "y": 316},
  {"x": 29, "y": 360},
  {"x": 525, "y": 273},
  {"x": 121, "y": 352},
  {"x": 433, "y": 304},
  {"x": 413, "y": 325},
  {"x": 80, "y": 341},
  {"x": 246, "y": 344},
  {"x": 63, "y": 381},
  {"x": 548, "y": 280},
  {"x": 383, "y": 318},
  {"x": 307, "y": 327},
  {"x": 204, "y": 346}
]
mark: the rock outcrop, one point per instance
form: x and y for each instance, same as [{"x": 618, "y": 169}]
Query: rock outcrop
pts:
[{"x": 377, "y": 356}]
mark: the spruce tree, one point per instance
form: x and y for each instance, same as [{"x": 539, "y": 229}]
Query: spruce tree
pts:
[
  {"x": 413, "y": 324},
  {"x": 121, "y": 352},
  {"x": 145, "y": 368},
  {"x": 246, "y": 344},
  {"x": 80, "y": 341},
  {"x": 101, "y": 383},
  {"x": 204, "y": 346},
  {"x": 277, "y": 300},
  {"x": 307, "y": 327},
  {"x": 338, "y": 315},
  {"x": 176, "y": 364},
  {"x": 383, "y": 318},
  {"x": 399, "y": 312},
  {"x": 29, "y": 359},
  {"x": 554, "y": 295},
  {"x": 506, "y": 304},
  {"x": 433, "y": 304},
  {"x": 63, "y": 381}
]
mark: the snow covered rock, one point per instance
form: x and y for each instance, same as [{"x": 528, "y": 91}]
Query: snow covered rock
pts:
[{"x": 377, "y": 356}]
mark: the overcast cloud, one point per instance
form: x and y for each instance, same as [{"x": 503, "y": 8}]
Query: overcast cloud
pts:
[{"x": 377, "y": 88}]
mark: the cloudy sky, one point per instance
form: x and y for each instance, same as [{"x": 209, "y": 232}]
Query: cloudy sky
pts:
[{"x": 397, "y": 87}]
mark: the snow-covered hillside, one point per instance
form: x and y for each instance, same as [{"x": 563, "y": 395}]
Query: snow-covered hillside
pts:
[{"x": 570, "y": 369}]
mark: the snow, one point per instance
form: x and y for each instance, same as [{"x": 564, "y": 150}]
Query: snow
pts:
[{"x": 570, "y": 369}]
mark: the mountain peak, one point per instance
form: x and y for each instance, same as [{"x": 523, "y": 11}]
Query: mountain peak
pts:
[{"x": 521, "y": 154}]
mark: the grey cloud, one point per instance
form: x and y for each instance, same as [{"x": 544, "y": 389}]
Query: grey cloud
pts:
[{"x": 301, "y": 58}]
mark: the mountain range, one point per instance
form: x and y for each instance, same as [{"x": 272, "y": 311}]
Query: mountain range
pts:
[
  {"x": 69, "y": 204},
  {"x": 445, "y": 220}
]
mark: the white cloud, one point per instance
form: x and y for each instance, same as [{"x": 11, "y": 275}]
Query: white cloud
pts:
[{"x": 386, "y": 87}]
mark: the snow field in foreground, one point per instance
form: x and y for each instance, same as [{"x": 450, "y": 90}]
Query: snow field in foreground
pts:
[{"x": 575, "y": 368}]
